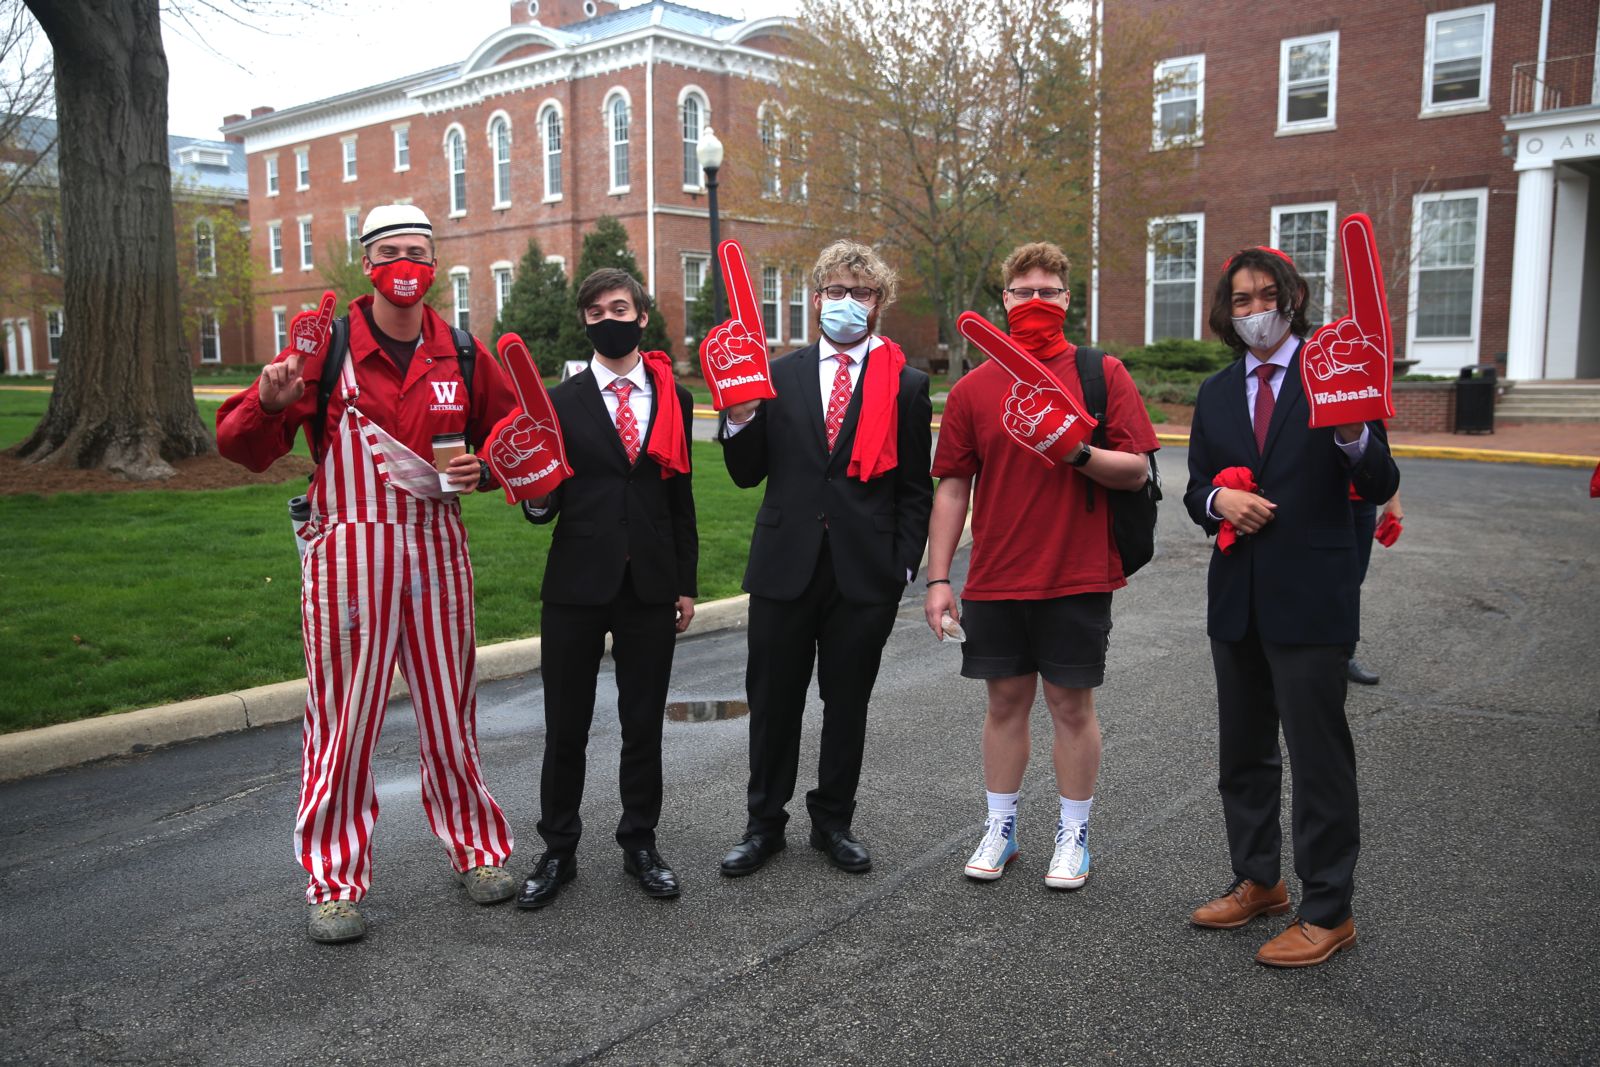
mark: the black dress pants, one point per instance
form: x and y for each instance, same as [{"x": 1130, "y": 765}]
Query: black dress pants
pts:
[
  {"x": 845, "y": 640},
  {"x": 643, "y": 637},
  {"x": 1262, "y": 685}
]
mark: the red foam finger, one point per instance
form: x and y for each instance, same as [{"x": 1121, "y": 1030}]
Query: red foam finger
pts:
[
  {"x": 999, "y": 346},
  {"x": 1363, "y": 278},
  {"x": 742, "y": 303},
  {"x": 524, "y": 372}
]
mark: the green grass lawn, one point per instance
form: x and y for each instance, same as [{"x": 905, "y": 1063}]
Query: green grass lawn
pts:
[{"x": 125, "y": 600}]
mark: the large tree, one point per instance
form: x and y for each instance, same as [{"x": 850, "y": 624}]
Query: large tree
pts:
[
  {"x": 947, "y": 132},
  {"x": 539, "y": 303},
  {"x": 607, "y": 246},
  {"x": 122, "y": 399}
]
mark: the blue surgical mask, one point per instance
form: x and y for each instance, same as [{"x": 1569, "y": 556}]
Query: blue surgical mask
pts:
[{"x": 844, "y": 321}]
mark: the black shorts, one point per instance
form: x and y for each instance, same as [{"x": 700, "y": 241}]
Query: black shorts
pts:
[{"x": 1063, "y": 640}]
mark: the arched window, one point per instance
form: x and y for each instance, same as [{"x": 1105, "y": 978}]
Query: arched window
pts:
[
  {"x": 693, "y": 115},
  {"x": 617, "y": 124},
  {"x": 550, "y": 130},
  {"x": 500, "y": 146},
  {"x": 455, "y": 154},
  {"x": 771, "y": 149},
  {"x": 205, "y": 249}
]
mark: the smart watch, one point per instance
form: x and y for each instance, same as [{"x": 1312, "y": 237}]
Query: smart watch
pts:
[{"x": 1081, "y": 457}]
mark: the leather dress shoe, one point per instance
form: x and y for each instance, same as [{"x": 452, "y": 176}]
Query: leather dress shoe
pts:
[
  {"x": 1359, "y": 674},
  {"x": 655, "y": 877},
  {"x": 751, "y": 854},
  {"x": 1306, "y": 945},
  {"x": 1241, "y": 904},
  {"x": 544, "y": 884},
  {"x": 842, "y": 850}
]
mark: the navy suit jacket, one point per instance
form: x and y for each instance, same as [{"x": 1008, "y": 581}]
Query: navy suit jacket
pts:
[{"x": 1299, "y": 576}]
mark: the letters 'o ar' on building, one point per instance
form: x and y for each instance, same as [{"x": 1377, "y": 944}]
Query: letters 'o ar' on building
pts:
[
  {"x": 1470, "y": 132},
  {"x": 574, "y": 111}
]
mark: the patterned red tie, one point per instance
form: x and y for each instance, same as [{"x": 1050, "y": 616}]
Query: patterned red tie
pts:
[
  {"x": 627, "y": 424},
  {"x": 839, "y": 400},
  {"x": 1264, "y": 402}
]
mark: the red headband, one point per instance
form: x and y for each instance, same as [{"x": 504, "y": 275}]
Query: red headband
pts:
[{"x": 1228, "y": 263}]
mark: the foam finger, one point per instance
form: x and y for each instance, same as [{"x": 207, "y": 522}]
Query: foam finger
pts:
[
  {"x": 325, "y": 309},
  {"x": 519, "y": 364},
  {"x": 741, "y": 293},
  {"x": 1363, "y": 276}
]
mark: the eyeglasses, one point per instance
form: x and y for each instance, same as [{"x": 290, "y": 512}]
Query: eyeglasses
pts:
[
  {"x": 1029, "y": 294},
  {"x": 859, "y": 293}
]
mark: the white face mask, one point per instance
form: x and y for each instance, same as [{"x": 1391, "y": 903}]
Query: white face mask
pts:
[{"x": 1262, "y": 332}]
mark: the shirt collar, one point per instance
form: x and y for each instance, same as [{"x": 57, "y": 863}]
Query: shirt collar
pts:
[
  {"x": 1279, "y": 358},
  {"x": 857, "y": 352},
  {"x": 604, "y": 377}
]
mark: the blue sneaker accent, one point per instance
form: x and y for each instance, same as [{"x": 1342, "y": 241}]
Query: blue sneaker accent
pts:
[
  {"x": 1069, "y": 867},
  {"x": 998, "y": 848}
]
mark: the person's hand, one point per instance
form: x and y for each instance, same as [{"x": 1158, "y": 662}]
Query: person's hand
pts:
[
  {"x": 280, "y": 385},
  {"x": 742, "y": 413},
  {"x": 1248, "y": 512},
  {"x": 463, "y": 472},
  {"x": 685, "y": 612},
  {"x": 1350, "y": 432},
  {"x": 1393, "y": 508},
  {"x": 941, "y": 599}
]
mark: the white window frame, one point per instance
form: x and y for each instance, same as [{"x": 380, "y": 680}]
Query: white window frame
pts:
[
  {"x": 1329, "y": 209},
  {"x": 691, "y": 294},
  {"x": 271, "y": 164},
  {"x": 1192, "y": 140},
  {"x": 607, "y": 109},
  {"x": 771, "y": 176},
  {"x": 560, "y": 261},
  {"x": 458, "y": 203},
  {"x": 347, "y": 153},
  {"x": 501, "y": 166},
  {"x": 209, "y": 316},
  {"x": 275, "y": 246},
  {"x": 352, "y": 233},
  {"x": 1199, "y": 219},
  {"x": 1446, "y": 354},
  {"x": 53, "y": 317},
  {"x": 308, "y": 251},
  {"x": 551, "y": 157},
  {"x": 778, "y": 304},
  {"x": 49, "y": 242},
  {"x": 460, "y": 281},
  {"x": 1329, "y": 121},
  {"x": 1481, "y": 101},
  {"x": 280, "y": 328},
  {"x": 210, "y": 243},
  {"x": 402, "y": 146},
  {"x": 691, "y": 149},
  {"x": 501, "y": 272},
  {"x": 797, "y": 289},
  {"x": 302, "y": 168}
]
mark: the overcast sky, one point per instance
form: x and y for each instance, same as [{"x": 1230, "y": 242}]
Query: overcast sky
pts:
[{"x": 219, "y": 66}]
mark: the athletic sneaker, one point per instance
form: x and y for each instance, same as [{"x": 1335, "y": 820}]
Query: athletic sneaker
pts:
[
  {"x": 1069, "y": 867},
  {"x": 335, "y": 921},
  {"x": 998, "y": 848}
]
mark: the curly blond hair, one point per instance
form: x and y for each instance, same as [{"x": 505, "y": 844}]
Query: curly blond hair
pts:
[
  {"x": 859, "y": 260},
  {"x": 1040, "y": 255}
]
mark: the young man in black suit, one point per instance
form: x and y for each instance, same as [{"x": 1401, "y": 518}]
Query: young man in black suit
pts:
[
  {"x": 622, "y": 560},
  {"x": 1282, "y": 609},
  {"x": 844, "y": 450}
]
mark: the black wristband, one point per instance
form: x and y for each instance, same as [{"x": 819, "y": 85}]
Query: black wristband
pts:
[
  {"x": 1082, "y": 457},
  {"x": 931, "y": 582}
]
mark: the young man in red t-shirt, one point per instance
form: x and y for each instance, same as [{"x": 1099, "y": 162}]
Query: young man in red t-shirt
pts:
[{"x": 1037, "y": 598}]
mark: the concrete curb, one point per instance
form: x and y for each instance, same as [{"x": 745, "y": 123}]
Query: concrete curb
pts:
[{"x": 1474, "y": 455}]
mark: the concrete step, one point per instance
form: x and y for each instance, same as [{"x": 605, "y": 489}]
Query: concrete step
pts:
[{"x": 1541, "y": 404}]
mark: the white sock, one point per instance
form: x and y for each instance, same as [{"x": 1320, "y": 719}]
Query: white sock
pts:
[
  {"x": 1075, "y": 811},
  {"x": 1002, "y": 805}
]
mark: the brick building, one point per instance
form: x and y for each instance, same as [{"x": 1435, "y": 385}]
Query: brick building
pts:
[
  {"x": 1470, "y": 132},
  {"x": 573, "y": 111},
  {"x": 210, "y": 204}
]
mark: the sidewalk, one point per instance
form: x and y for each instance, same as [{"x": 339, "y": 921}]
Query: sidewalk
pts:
[{"x": 1566, "y": 444}]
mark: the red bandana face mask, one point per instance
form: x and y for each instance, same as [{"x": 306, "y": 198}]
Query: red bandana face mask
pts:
[
  {"x": 402, "y": 282},
  {"x": 1036, "y": 326}
]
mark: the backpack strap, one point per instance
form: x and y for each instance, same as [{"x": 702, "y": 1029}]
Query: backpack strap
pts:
[
  {"x": 466, "y": 360},
  {"x": 332, "y": 365},
  {"x": 1092, "y": 378}
]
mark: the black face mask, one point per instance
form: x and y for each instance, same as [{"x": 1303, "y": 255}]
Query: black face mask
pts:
[{"x": 614, "y": 338}]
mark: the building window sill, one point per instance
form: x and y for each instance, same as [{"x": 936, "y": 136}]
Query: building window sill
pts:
[
  {"x": 504, "y": 205},
  {"x": 456, "y": 215},
  {"x": 1318, "y": 127},
  {"x": 1441, "y": 111},
  {"x": 556, "y": 199},
  {"x": 619, "y": 190},
  {"x": 402, "y": 170}
]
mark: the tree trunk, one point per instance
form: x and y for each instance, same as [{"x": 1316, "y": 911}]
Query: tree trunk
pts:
[{"x": 123, "y": 397}]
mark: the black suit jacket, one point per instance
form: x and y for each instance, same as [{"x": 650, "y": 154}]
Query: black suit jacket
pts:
[
  {"x": 876, "y": 530},
  {"x": 1299, "y": 575},
  {"x": 609, "y": 513}
]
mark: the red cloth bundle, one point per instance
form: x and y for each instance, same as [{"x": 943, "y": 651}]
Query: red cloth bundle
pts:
[
  {"x": 667, "y": 444},
  {"x": 1594, "y": 483},
  {"x": 1244, "y": 480},
  {"x": 525, "y": 449},
  {"x": 1388, "y": 531}
]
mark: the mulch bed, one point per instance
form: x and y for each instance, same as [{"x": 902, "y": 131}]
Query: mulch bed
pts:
[{"x": 202, "y": 472}]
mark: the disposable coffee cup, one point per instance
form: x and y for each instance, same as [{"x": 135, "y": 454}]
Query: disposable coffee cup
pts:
[
  {"x": 446, "y": 447},
  {"x": 299, "y": 515}
]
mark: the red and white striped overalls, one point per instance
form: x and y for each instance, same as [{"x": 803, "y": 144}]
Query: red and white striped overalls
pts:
[{"x": 386, "y": 575}]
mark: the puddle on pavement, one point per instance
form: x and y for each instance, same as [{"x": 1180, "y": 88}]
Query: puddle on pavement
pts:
[{"x": 706, "y": 710}]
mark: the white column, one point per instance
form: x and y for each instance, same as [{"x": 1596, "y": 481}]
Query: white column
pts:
[
  {"x": 1566, "y": 273},
  {"x": 11, "y": 348},
  {"x": 1530, "y": 273},
  {"x": 25, "y": 329}
]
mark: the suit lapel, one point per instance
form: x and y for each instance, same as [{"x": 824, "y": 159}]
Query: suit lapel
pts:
[
  {"x": 1237, "y": 417},
  {"x": 806, "y": 363},
  {"x": 852, "y": 418},
  {"x": 591, "y": 401},
  {"x": 1291, "y": 398}
]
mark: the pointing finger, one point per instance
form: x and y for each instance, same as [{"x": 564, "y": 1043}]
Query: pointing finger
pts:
[
  {"x": 1363, "y": 277},
  {"x": 741, "y": 292}
]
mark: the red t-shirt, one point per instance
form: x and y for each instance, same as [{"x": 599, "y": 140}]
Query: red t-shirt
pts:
[{"x": 1033, "y": 535}]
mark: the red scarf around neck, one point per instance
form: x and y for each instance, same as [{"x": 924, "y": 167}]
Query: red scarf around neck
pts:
[
  {"x": 876, "y": 447},
  {"x": 668, "y": 447}
]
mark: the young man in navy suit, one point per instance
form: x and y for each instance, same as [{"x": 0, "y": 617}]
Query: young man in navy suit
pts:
[{"x": 1282, "y": 609}]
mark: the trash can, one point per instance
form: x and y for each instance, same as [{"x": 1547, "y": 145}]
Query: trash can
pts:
[{"x": 1475, "y": 400}]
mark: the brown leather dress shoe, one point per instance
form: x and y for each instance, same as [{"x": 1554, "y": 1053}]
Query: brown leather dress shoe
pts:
[
  {"x": 1241, "y": 904},
  {"x": 1305, "y": 945}
]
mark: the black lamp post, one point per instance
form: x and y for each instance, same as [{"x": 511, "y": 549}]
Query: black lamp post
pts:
[{"x": 710, "y": 153}]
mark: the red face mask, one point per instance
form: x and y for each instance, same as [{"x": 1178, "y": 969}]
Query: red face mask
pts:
[
  {"x": 402, "y": 282},
  {"x": 1036, "y": 326}
]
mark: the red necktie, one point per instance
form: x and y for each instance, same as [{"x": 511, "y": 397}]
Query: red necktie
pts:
[
  {"x": 1264, "y": 402},
  {"x": 839, "y": 400},
  {"x": 627, "y": 424}
]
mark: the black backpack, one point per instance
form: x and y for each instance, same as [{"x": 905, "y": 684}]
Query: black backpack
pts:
[
  {"x": 1133, "y": 513},
  {"x": 339, "y": 348}
]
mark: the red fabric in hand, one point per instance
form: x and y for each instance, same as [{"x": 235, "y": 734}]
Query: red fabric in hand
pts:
[
  {"x": 1244, "y": 480},
  {"x": 667, "y": 446},
  {"x": 524, "y": 449},
  {"x": 876, "y": 447},
  {"x": 1388, "y": 531},
  {"x": 1594, "y": 483},
  {"x": 733, "y": 354}
]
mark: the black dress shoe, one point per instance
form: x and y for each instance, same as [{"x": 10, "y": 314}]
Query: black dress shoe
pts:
[
  {"x": 655, "y": 877},
  {"x": 843, "y": 851},
  {"x": 1359, "y": 674},
  {"x": 752, "y": 854},
  {"x": 544, "y": 884}
]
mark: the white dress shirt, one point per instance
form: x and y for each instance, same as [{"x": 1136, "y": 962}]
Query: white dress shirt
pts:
[
  {"x": 638, "y": 400},
  {"x": 827, "y": 367}
]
